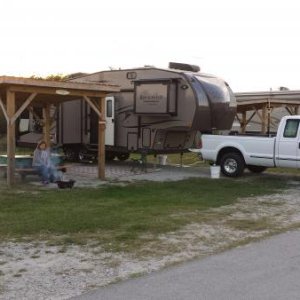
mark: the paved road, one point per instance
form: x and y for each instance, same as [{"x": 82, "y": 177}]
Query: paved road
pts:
[{"x": 265, "y": 270}]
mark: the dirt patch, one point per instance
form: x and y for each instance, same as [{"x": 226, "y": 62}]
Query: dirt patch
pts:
[{"x": 39, "y": 271}]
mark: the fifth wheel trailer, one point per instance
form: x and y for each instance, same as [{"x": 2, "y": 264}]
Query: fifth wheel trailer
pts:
[{"x": 157, "y": 111}]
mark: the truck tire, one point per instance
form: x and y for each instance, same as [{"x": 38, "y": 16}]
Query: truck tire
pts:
[
  {"x": 256, "y": 169},
  {"x": 232, "y": 164}
]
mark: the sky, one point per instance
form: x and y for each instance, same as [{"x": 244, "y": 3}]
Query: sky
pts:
[{"x": 253, "y": 45}]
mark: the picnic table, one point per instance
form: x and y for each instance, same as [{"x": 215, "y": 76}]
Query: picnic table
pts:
[{"x": 24, "y": 164}]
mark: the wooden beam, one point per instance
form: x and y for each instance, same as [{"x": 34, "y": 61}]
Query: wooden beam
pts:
[
  {"x": 259, "y": 115},
  {"x": 46, "y": 127},
  {"x": 238, "y": 118},
  {"x": 244, "y": 121},
  {"x": 4, "y": 110},
  {"x": 292, "y": 110},
  {"x": 101, "y": 141},
  {"x": 289, "y": 110},
  {"x": 52, "y": 91},
  {"x": 264, "y": 120},
  {"x": 251, "y": 117},
  {"x": 11, "y": 139},
  {"x": 35, "y": 115},
  {"x": 93, "y": 105},
  {"x": 58, "y": 85},
  {"x": 23, "y": 107}
]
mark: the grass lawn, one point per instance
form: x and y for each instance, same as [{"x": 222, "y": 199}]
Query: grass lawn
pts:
[
  {"x": 118, "y": 217},
  {"x": 188, "y": 158}
]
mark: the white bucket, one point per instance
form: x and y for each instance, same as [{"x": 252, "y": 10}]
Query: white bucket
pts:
[
  {"x": 162, "y": 159},
  {"x": 215, "y": 171}
]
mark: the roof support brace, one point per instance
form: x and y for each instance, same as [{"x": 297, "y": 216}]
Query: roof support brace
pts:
[
  {"x": 23, "y": 107},
  {"x": 93, "y": 105},
  {"x": 3, "y": 109}
]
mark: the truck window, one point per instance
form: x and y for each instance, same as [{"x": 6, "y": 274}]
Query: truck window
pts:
[{"x": 291, "y": 129}]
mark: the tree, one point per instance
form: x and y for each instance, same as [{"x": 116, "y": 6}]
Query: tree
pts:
[{"x": 52, "y": 77}]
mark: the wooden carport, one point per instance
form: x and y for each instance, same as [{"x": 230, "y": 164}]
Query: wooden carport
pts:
[
  {"x": 18, "y": 94},
  {"x": 262, "y": 104}
]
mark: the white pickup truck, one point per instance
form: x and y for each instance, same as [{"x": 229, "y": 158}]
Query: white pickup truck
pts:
[{"x": 235, "y": 153}]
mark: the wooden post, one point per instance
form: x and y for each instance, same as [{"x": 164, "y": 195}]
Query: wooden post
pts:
[
  {"x": 46, "y": 128},
  {"x": 244, "y": 121},
  {"x": 11, "y": 138},
  {"x": 264, "y": 120},
  {"x": 101, "y": 141}
]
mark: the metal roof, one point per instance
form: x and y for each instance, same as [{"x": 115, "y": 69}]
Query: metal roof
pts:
[
  {"x": 258, "y": 100},
  {"x": 52, "y": 91}
]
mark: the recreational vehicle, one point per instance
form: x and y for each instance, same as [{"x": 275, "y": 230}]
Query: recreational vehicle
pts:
[{"x": 157, "y": 111}]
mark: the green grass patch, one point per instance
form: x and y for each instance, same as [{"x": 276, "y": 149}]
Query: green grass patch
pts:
[
  {"x": 188, "y": 158},
  {"x": 119, "y": 217},
  {"x": 289, "y": 171}
]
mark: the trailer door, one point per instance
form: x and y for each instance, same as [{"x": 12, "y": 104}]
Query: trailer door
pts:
[{"x": 110, "y": 121}]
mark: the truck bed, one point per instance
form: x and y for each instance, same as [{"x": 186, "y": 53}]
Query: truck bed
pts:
[{"x": 257, "y": 150}]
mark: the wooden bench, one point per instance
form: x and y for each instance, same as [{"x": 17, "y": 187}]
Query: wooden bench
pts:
[{"x": 28, "y": 171}]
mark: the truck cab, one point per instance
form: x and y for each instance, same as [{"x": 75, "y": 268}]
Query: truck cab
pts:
[{"x": 287, "y": 150}]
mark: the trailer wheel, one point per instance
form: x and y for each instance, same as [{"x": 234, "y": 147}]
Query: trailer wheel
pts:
[
  {"x": 123, "y": 156},
  {"x": 82, "y": 155},
  {"x": 232, "y": 164},
  {"x": 256, "y": 169},
  {"x": 109, "y": 155},
  {"x": 71, "y": 154}
]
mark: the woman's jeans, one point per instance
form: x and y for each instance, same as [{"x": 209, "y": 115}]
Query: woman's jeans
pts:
[{"x": 45, "y": 172}]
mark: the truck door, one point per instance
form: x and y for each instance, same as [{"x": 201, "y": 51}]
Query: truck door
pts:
[
  {"x": 110, "y": 121},
  {"x": 288, "y": 152}
]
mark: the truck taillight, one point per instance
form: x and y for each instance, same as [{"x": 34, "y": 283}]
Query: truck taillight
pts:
[
  {"x": 199, "y": 143},
  {"x": 198, "y": 140}
]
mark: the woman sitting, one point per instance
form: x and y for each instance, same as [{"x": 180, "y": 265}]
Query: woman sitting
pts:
[{"x": 42, "y": 162}]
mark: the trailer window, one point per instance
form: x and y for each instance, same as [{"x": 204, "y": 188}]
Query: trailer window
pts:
[
  {"x": 291, "y": 129},
  {"x": 109, "y": 108},
  {"x": 24, "y": 125}
]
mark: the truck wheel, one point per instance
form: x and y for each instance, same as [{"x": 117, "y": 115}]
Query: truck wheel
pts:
[
  {"x": 232, "y": 164},
  {"x": 122, "y": 156},
  {"x": 256, "y": 169}
]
